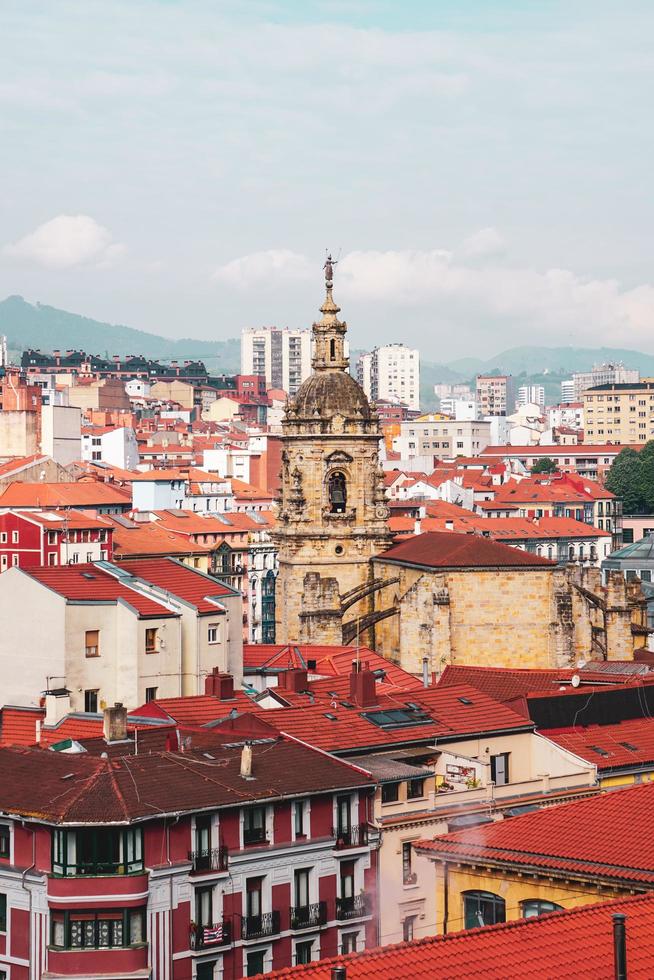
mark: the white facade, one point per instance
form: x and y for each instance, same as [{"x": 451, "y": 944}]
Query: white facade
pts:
[
  {"x": 391, "y": 373},
  {"x": 228, "y": 461},
  {"x": 444, "y": 439},
  {"x": 571, "y": 414},
  {"x": 603, "y": 374},
  {"x": 138, "y": 387},
  {"x": 61, "y": 428},
  {"x": 531, "y": 395},
  {"x": 117, "y": 447},
  {"x": 567, "y": 391},
  {"x": 159, "y": 494},
  {"x": 283, "y": 357}
]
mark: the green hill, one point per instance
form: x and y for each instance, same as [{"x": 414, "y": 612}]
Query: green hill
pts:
[{"x": 47, "y": 328}]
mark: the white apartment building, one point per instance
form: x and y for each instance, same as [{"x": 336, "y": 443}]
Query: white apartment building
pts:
[
  {"x": 531, "y": 395},
  {"x": 116, "y": 446},
  {"x": 603, "y": 374},
  {"x": 428, "y": 436},
  {"x": 391, "y": 373},
  {"x": 567, "y": 392},
  {"x": 460, "y": 408},
  {"x": 570, "y": 414},
  {"x": 281, "y": 356}
]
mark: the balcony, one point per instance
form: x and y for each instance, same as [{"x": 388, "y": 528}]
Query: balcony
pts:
[
  {"x": 209, "y": 859},
  {"x": 351, "y": 908},
  {"x": 206, "y": 937},
  {"x": 308, "y": 916},
  {"x": 356, "y": 836},
  {"x": 260, "y": 926}
]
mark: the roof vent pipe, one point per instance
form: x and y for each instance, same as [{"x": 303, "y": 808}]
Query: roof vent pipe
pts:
[
  {"x": 425, "y": 671},
  {"x": 620, "y": 946},
  {"x": 246, "y": 761},
  {"x": 339, "y": 973}
]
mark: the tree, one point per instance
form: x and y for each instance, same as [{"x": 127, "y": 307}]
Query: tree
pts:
[
  {"x": 545, "y": 465},
  {"x": 627, "y": 476},
  {"x": 646, "y": 478}
]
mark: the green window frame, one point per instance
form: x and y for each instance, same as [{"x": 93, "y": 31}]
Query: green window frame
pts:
[
  {"x": 99, "y": 929},
  {"x": 97, "y": 851}
]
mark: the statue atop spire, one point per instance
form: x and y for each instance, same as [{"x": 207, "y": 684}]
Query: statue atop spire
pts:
[{"x": 329, "y": 270}]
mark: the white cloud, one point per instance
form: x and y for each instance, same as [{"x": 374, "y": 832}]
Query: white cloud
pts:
[
  {"x": 67, "y": 241},
  {"x": 482, "y": 244},
  {"x": 270, "y": 267}
]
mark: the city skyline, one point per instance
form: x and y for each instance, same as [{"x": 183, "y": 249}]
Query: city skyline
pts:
[{"x": 481, "y": 173}]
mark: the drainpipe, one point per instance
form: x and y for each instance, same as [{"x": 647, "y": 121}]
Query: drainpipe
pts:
[
  {"x": 425, "y": 672},
  {"x": 446, "y": 910},
  {"x": 25, "y": 873}
]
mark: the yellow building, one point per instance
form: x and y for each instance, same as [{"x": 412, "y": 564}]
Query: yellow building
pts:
[
  {"x": 560, "y": 857},
  {"x": 619, "y": 413}
]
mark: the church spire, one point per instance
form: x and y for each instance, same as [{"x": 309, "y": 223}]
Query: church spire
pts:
[{"x": 329, "y": 333}]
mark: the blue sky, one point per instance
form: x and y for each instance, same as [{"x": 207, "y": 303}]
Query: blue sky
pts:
[{"x": 484, "y": 168}]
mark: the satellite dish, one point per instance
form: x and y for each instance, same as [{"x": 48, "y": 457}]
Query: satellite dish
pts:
[{"x": 575, "y": 680}]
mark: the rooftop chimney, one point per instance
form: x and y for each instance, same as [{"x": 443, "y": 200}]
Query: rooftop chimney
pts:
[
  {"x": 57, "y": 706},
  {"x": 246, "y": 761},
  {"x": 449, "y": 525},
  {"x": 620, "y": 946},
  {"x": 417, "y": 526},
  {"x": 219, "y": 685},
  {"x": 294, "y": 679},
  {"x": 115, "y": 723},
  {"x": 339, "y": 973},
  {"x": 362, "y": 685},
  {"x": 425, "y": 671}
]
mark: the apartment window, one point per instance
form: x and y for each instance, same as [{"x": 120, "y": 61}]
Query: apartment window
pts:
[
  {"x": 97, "y": 851},
  {"x": 500, "y": 769},
  {"x": 15, "y": 559},
  {"x": 92, "y": 643},
  {"x": 206, "y": 971},
  {"x": 343, "y": 820},
  {"x": 408, "y": 877},
  {"x": 482, "y": 909},
  {"x": 304, "y": 952},
  {"x": 3, "y": 537},
  {"x": 254, "y": 825},
  {"x": 91, "y": 701},
  {"x": 213, "y": 633},
  {"x": 299, "y": 822},
  {"x": 349, "y": 942},
  {"x": 301, "y": 888},
  {"x": 151, "y": 640},
  {"x": 534, "y": 907},
  {"x": 14, "y": 537},
  {"x": 52, "y": 537},
  {"x": 408, "y": 927},
  {"x": 5, "y": 838},
  {"x": 150, "y": 694},
  {"x": 256, "y": 962},
  {"x": 3, "y": 912},
  {"x": 415, "y": 789},
  {"x": 204, "y": 906},
  {"x": 390, "y": 792},
  {"x": 101, "y": 930}
]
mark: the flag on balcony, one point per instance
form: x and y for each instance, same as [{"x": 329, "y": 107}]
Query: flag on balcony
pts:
[{"x": 213, "y": 934}]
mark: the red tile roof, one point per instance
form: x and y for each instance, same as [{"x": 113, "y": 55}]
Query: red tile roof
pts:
[
  {"x": 87, "y": 582},
  {"x": 20, "y": 463},
  {"x": 570, "y": 945},
  {"x": 616, "y": 745},
  {"x": 331, "y": 661},
  {"x": 452, "y": 550},
  {"x": 605, "y": 836},
  {"x": 63, "y": 519},
  {"x": 186, "y": 583},
  {"x": 84, "y": 788},
  {"x": 83, "y": 494},
  {"x": 149, "y": 539},
  {"x": 503, "y": 684}
]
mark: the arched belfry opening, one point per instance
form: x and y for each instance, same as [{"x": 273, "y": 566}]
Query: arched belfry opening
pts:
[{"x": 337, "y": 490}]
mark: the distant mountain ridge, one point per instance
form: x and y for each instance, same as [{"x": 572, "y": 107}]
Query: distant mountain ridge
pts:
[{"x": 47, "y": 328}]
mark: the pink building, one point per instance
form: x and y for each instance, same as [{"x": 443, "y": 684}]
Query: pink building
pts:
[{"x": 181, "y": 857}]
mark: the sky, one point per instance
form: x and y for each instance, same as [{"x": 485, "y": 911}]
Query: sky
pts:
[{"x": 482, "y": 168}]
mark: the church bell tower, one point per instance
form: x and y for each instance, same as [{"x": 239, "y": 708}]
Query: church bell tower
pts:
[{"x": 333, "y": 515}]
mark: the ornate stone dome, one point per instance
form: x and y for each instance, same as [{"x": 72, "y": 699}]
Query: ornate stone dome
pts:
[{"x": 329, "y": 393}]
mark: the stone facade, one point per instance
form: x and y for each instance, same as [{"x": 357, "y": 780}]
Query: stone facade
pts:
[
  {"x": 332, "y": 508},
  {"x": 547, "y": 617}
]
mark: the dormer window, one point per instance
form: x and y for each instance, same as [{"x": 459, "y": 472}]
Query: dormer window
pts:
[{"x": 337, "y": 492}]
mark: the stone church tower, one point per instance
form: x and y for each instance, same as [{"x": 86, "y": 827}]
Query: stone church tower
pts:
[{"x": 332, "y": 509}]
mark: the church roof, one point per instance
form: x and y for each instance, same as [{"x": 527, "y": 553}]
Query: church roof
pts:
[{"x": 329, "y": 393}]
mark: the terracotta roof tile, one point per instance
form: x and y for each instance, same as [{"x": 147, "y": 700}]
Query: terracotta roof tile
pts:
[
  {"x": 87, "y": 582},
  {"x": 452, "y": 550}
]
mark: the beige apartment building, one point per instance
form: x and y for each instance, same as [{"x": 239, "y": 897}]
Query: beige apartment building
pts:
[
  {"x": 496, "y": 394},
  {"x": 619, "y": 413},
  {"x": 106, "y": 633}
]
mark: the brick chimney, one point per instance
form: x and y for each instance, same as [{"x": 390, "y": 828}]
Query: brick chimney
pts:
[
  {"x": 219, "y": 685},
  {"x": 115, "y": 723},
  {"x": 294, "y": 679},
  {"x": 246, "y": 761},
  {"x": 363, "y": 691}
]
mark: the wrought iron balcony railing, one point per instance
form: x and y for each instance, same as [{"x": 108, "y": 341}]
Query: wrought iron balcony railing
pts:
[
  {"x": 218, "y": 934},
  {"x": 308, "y": 916},
  {"x": 260, "y": 926},
  {"x": 351, "y": 908},
  {"x": 209, "y": 859},
  {"x": 356, "y": 836}
]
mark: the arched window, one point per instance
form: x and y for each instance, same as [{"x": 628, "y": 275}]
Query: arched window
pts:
[
  {"x": 332, "y": 349},
  {"x": 571, "y": 553},
  {"x": 483, "y": 909},
  {"x": 550, "y": 551},
  {"x": 534, "y": 907},
  {"x": 337, "y": 492}
]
